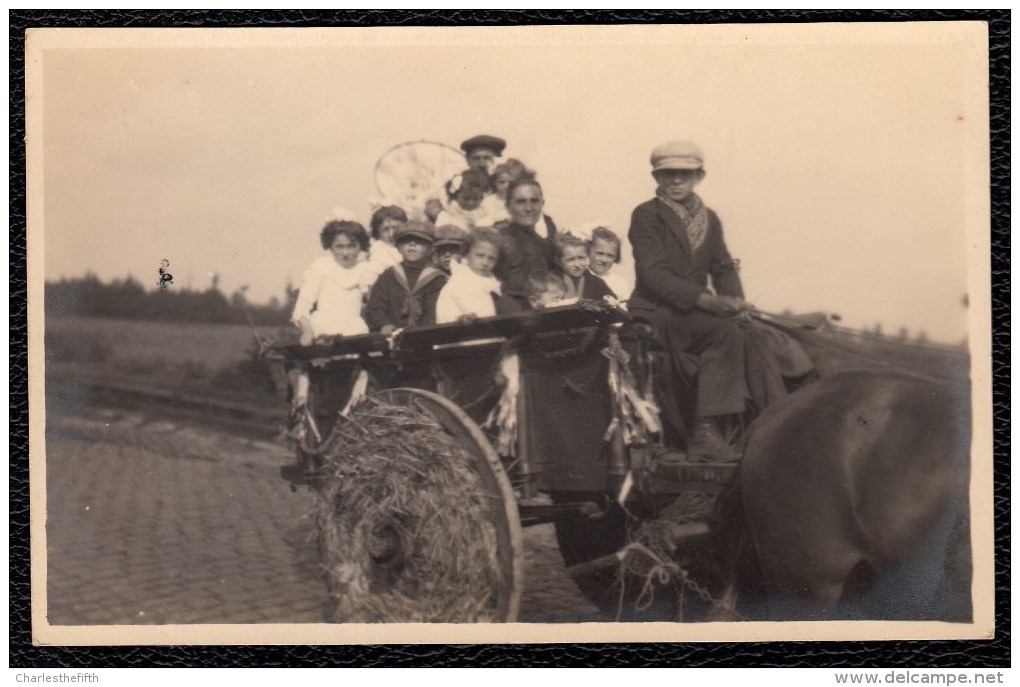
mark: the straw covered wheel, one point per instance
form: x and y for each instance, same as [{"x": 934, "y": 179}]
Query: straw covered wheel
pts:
[{"x": 416, "y": 517}]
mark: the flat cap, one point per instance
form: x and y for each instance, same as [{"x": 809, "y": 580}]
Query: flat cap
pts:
[
  {"x": 415, "y": 228},
  {"x": 493, "y": 143},
  {"x": 450, "y": 235},
  {"x": 677, "y": 155}
]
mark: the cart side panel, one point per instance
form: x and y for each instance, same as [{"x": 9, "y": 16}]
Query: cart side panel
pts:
[
  {"x": 467, "y": 376},
  {"x": 569, "y": 411}
]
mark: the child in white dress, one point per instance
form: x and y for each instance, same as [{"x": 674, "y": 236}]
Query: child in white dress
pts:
[
  {"x": 334, "y": 286},
  {"x": 465, "y": 193},
  {"x": 332, "y": 295},
  {"x": 472, "y": 290}
]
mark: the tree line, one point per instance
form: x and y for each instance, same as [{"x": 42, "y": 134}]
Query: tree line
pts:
[{"x": 89, "y": 296}]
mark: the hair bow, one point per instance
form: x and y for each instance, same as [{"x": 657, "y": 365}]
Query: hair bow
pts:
[
  {"x": 582, "y": 230},
  {"x": 377, "y": 202}
]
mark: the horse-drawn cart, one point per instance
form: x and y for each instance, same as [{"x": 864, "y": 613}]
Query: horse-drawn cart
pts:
[{"x": 428, "y": 451}]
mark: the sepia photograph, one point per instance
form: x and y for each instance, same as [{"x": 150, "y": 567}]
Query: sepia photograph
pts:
[{"x": 660, "y": 333}]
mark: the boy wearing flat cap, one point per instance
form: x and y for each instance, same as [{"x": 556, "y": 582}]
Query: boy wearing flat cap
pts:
[
  {"x": 481, "y": 151},
  {"x": 449, "y": 242},
  {"x": 405, "y": 295},
  {"x": 678, "y": 250}
]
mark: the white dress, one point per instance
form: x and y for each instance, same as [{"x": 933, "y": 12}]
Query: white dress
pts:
[
  {"x": 381, "y": 256},
  {"x": 496, "y": 207},
  {"x": 337, "y": 294},
  {"x": 619, "y": 283},
  {"x": 466, "y": 293},
  {"x": 465, "y": 219}
]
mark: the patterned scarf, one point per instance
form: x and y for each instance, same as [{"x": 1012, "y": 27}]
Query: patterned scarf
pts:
[{"x": 693, "y": 217}]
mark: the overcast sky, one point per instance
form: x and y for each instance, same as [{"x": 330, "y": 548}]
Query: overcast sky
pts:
[{"x": 836, "y": 164}]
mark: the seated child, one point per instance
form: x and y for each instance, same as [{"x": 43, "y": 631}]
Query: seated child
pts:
[
  {"x": 330, "y": 299},
  {"x": 472, "y": 291},
  {"x": 405, "y": 295},
  {"x": 546, "y": 290},
  {"x": 448, "y": 246},
  {"x": 383, "y": 253},
  {"x": 603, "y": 253},
  {"x": 465, "y": 192},
  {"x": 572, "y": 265},
  {"x": 334, "y": 286}
]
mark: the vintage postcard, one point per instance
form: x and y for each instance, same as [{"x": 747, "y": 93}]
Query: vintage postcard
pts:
[{"x": 515, "y": 334}]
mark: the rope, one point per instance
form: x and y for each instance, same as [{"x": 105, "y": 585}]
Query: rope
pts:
[{"x": 661, "y": 572}]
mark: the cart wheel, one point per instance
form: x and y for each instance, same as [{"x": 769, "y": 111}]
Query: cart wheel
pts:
[{"x": 417, "y": 518}]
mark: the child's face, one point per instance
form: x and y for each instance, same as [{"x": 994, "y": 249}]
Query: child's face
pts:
[
  {"x": 677, "y": 184},
  {"x": 469, "y": 198},
  {"x": 574, "y": 260},
  {"x": 552, "y": 295},
  {"x": 502, "y": 184},
  {"x": 481, "y": 258},
  {"x": 445, "y": 255},
  {"x": 345, "y": 250},
  {"x": 414, "y": 249},
  {"x": 602, "y": 255},
  {"x": 386, "y": 229}
]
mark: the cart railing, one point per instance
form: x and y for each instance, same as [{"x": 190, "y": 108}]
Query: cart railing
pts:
[{"x": 413, "y": 343}]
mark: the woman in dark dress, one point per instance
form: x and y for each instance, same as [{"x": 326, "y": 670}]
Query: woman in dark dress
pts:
[{"x": 527, "y": 238}]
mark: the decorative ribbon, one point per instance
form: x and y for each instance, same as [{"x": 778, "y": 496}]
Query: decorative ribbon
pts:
[
  {"x": 377, "y": 202},
  {"x": 635, "y": 415},
  {"x": 504, "y": 416},
  {"x": 358, "y": 391}
]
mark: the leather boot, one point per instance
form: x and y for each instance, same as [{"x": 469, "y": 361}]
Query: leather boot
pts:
[{"x": 708, "y": 445}]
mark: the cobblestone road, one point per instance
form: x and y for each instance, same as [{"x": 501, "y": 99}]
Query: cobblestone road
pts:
[{"x": 160, "y": 522}]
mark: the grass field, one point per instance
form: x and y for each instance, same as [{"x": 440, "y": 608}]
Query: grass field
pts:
[{"x": 202, "y": 357}]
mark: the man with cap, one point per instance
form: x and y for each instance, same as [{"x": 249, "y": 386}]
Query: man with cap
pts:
[
  {"x": 481, "y": 151},
  {"x": 678, "y": 248},
  {"x": 405, "y": 295}
]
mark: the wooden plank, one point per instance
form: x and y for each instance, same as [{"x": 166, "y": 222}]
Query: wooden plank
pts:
[{"x": 424, "y": 338}]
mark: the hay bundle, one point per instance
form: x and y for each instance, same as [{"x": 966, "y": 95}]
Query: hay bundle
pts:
[{"x": 404, "y": 521}]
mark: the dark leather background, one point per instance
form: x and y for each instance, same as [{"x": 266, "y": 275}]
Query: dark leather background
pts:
[{"x": 994, "y": 653}]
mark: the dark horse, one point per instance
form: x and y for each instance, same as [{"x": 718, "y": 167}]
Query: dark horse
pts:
[{"x": 852, "y": 500}]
